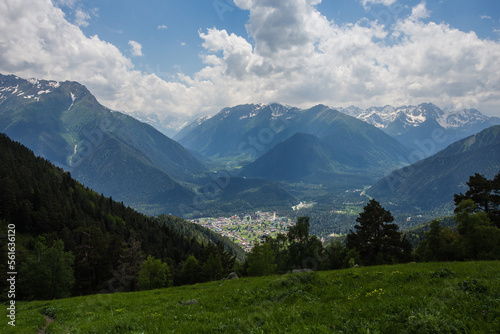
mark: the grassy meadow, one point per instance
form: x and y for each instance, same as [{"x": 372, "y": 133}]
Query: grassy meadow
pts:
[{"x": 410, "y": 298}]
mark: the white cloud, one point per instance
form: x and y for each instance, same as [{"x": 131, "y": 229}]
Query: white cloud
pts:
[
  {"x": 366, "y": 3},
  {"x": 82, "y": 18},
  {"x": 420, "y": 12},
  {"x": 299, "y": 57},
  {"x": 162, "y": 27},
  {"x": 294, "y": 55},
  {"x": 65, "y": 3},
  {"x": 136, "y": 48},
  {"x": 37, "y": 41}
]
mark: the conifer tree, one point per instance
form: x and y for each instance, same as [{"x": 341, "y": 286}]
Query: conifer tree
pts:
[
  {"x": 190, "y": 271},
  {"x": 212, "y": 268},
  {"x": 485, "y": 194},
  {"x": 304, "y": 250},
  {"x": 480, "y": 240},
  {"x": 376, "y": 239}
]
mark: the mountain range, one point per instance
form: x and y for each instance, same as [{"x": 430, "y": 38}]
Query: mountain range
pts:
[
  {"x": 267, "y": 154},
  {"x": 117, "y": 155},
  {"x": 283, "y": 143},
  {"x": 412, "y": 125},
  {"x": 108, "y": 151}
]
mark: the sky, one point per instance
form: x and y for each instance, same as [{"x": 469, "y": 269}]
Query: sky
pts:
[{"x": 183, "y": 58}]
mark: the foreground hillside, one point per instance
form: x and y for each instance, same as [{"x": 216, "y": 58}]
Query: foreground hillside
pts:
[{"x": 424, "y": 298}]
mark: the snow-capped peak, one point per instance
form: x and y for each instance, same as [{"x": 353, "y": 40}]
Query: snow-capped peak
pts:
[
  {"x": 458, "y": 118},
  {"x": 412, "y": 116},
  {"x": 32, "y": 89}
]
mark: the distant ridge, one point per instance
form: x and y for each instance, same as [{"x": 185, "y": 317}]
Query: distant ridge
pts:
[
  {"x": 289, "y": 137},
  {"x": 409, "y": 124},
  {"x": 431, "y": 183}
]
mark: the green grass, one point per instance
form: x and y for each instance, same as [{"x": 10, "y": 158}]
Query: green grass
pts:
[{"x": 411, "y": 298}]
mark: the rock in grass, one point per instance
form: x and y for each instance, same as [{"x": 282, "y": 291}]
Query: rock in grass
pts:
[
  {"x": 189, "y": 302},
  {"x": 232, "y": 275},
  {"x": 297, "y": 271}
]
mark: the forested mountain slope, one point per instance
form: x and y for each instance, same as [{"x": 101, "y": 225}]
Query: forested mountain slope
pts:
[
  {"x": 106, "y": 238},
  {"x": 431, "y": 183}
]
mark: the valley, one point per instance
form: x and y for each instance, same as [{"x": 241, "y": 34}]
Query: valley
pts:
[
  {"x": 257, "y": 157},
  {"x": 244, "y": 198}
]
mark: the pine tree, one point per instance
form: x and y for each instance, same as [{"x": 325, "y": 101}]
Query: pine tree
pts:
[
  {"x": 438, "y": 245},
  {"x": 485, "y": 194},
  {"x": 190, "y": 271},
  {"x": 480, "y": 240},
  {"x": 376, "y": 239},
  {"x": 304, "y": 250},
  {"x": 212, "y": 268}
]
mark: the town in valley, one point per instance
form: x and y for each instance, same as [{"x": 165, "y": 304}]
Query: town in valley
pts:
[{"x": 247, "y": 229}]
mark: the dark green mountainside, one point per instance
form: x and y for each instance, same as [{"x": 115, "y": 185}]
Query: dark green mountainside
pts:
[
  {"x": 296, "y": 158},
  {"x": 350, "y": 138},
  {"x": 111, "y": 152},
  {"x": 238, "y": 195},
  {"x": 432, "y": 182},
  {"x": 46, "y": 204},
  {"x": 306, "y": 158}
]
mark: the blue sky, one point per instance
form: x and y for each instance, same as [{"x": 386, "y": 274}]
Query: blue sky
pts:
[
  {"x": 182, "y": 58},
  {"x": 168, "y": 29}
]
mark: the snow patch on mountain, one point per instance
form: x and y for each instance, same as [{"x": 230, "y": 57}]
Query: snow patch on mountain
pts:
[
  {"x": 73, "y": 99},
  {"x": 413, "y": 116},
  {"x": 459, "y": 118},
  {"x": 32, "y": 89}
]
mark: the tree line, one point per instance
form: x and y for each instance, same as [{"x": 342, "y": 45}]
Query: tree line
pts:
[
  {"x": 477, "y": 232},
  {"x": 376, "y": 240}
]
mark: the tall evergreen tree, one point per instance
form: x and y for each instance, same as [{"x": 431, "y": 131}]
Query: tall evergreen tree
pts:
[
  {"x": 486, "y": 194},
  {"x": 479, "y": 238},
  {"x": 376, "y": 239},
  {"x": 439, "y": 244},
  {"x": 227, "y": 258},
  {"x": 212, "y": 268},
  {"x": 190, "y": 273},
  {"x": 334, "y": 255},
  {"x": 304, "y": 250}
]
